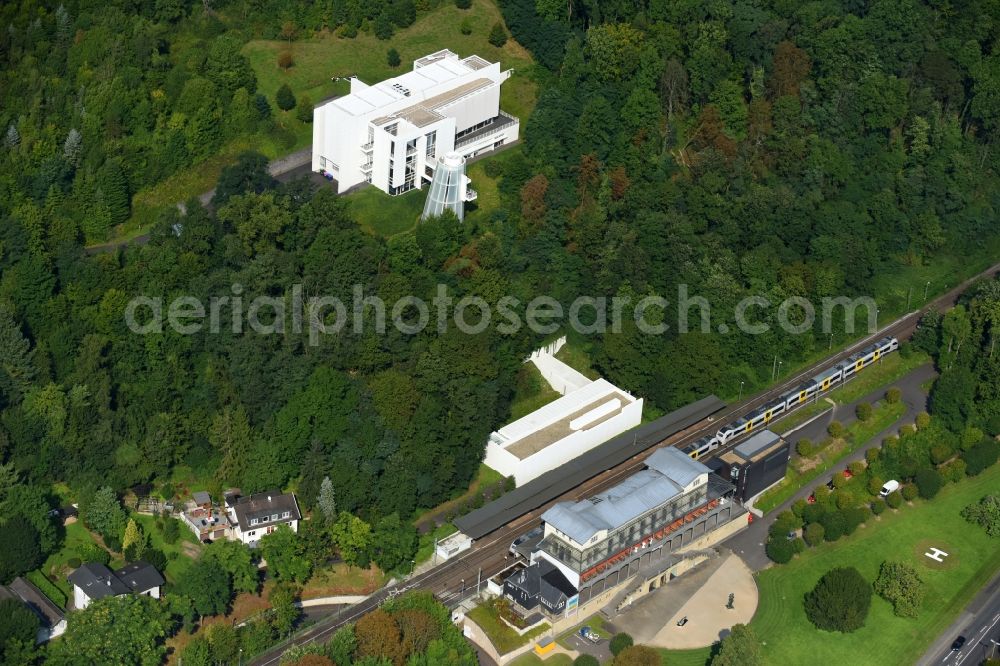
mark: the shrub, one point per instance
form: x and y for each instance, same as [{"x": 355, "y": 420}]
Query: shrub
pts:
[
  {"x": 498, "y": 36},
  {"x": 813, "y": 513},
  {"x": 804, "y": 447},
  {"x": 465, "y": 27},
  {"x": 74, "y": 562},
  {"x": 91, "y": 552},
  {"x": 901, "y": 586},
  {"x": 890, "y": 442},
  {"x": 840, "y": 601},
  {"x": 465, "y": 4},
  {"x": 875, "y": 484},
  {"x": 619, "y": 641},
  {"x": 954, "y": 471},
  {"x": 779, "y": 550},
  {"x": 981, "y": 456},
  {"x": 907, "y": 430},
  {"x": 941, "y": 452},
  {"x": 909, "y": 492},
  {"x": 893, "y": 395},
  {"x": 836, "y": 429},
  {"x": 985, "y": 513},
  {"x": 349, "y": 31},
  {"x": 392, "y": 58},
  {"x": 857, "y": 468},
  {"x": 785, "y": 523},
  {"x": 798, "y": 545},
  {"x": 167, "y": 491},
  {"x": 872, "y": 455},
  {"x": 923, "y": 420},
  {"x": 834, "y": 525},
  {"x": 894, "y": 500},
  {"x": 156, "y": 558},
  {"x": 928, "y": 482},
  {"x": 878, "y": 506},
  {"x": 845, "y": 500},
  {"x": 171, "y": 531},
  {"x": 814, "y": 534},
  {"x": 586, "y": 660},
  {"x": 863, "y": 411},
  {"x": 383, "y": 26},
  {"x": 799, "y": 507},
  {"x": 285, "y": 98},
  {"x": 854, "y": 518},
  {"x": 304, "y": 110},
  {"x": 839, "y": 480},
  {"x": 285, "y": 60}
]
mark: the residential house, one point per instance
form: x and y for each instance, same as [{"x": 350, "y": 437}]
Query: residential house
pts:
[
  {"x": 207, "y": 521},
  {"x": 53, "y": 620},
  {"x": 539, "y": 587},
  {"x": 94, "y": 581},
  {"x": 260, "y": 514}
]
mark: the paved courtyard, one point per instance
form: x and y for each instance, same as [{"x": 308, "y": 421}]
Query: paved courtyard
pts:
[{"x": 701, "y": 596}]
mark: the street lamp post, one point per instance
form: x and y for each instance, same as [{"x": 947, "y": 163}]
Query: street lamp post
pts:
[
  {"x": 926, "y": 287},
  {"x": 741, "y": 392},
  {"x": 830, "y": 348}
]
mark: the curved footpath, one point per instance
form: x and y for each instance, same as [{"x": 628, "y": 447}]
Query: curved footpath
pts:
[{"x": 749, "y": 543}]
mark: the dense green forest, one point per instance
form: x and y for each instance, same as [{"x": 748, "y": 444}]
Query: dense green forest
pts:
[{"x": 771, "y": 148}]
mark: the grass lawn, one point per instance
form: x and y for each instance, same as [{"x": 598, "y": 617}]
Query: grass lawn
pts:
[
  {"x": 425, "y": 545},
  {"x": 901, "y": 535},
  {"x": 696, "y": 657},
  {"x": 530, "y": 392},
  {"x": 383, "y": 215},
  {"x": 504, "y": 638},
  {"x": 56, "y": 566},
  {"x": 318, "y": 59},
  {"x": 342, "y": 579},
  {"x": 859, "y": 434},
  {"x": 179, "y": 554},
  {"x": 531, "y": 659},
  {"x": 577, "y": 356},
  {"x": 485, "y": 186}
]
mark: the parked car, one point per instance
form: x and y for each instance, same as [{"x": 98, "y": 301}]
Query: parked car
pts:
[
  {"x": 889, "y": 488},
  {"x": 590, "y": 634},
  {"x": 957, "y": 645}
]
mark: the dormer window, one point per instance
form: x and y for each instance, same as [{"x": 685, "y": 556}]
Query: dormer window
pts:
[
  {"x": 274, "y": 516},
  {"x": 253, "y": 521},
  {"x": 286, "y": 514}
]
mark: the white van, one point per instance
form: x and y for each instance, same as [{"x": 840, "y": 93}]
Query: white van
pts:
[{"x": 889, "y": 488}]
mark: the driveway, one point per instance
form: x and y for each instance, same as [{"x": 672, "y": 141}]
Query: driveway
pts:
[{"x": 749, "y": 543}]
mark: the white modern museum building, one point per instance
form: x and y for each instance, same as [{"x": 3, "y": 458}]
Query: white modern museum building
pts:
[
  {"x": 391, "y": 134},
  {"x": 562, "y": 430}
]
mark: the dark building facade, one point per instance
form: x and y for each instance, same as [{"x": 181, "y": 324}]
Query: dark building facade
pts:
[{"x": 754, "y": 465}]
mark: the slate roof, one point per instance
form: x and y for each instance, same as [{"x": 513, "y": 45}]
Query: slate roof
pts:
[
  {"x": 543, "y": 580},
  {"x": 33, "y": 598},
  {"x": 264, "y": 505},
  {"x": 97, "y": 581},
  {"x": 140, "y": 576},
  {"x": 201, "y": 497},
  {"x": 668, "y": 472}
]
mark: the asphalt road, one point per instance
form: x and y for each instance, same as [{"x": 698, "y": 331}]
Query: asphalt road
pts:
[
  {"x": 979, "y": 623},
  {"x": 749, "y": 543},
  {"x": 455, "y": 579}
]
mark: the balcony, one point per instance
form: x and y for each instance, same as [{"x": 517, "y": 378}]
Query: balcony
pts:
[
  {"x": 368, "y": 147},
  {"x": 471, "y": 194},
  {"x": 497, "y": 125},
  {"x": 367, "y": 167}
]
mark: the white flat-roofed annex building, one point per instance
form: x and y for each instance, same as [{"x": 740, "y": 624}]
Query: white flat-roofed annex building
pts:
[
  {"x": 392, "y": 133},
  {"x": 562, "y": 430}
]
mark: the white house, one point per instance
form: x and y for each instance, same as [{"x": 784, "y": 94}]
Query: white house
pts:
[
  {"x": 392, "y": 133},
  {"x": 52, "y": 621},
  {"x": 94, "y": 581},
  {"x": 562, "y": 430},
  {"x": 260, "y": 514}
]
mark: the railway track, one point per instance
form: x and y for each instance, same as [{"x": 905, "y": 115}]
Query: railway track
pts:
[{"x": 452, "y": 580}]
